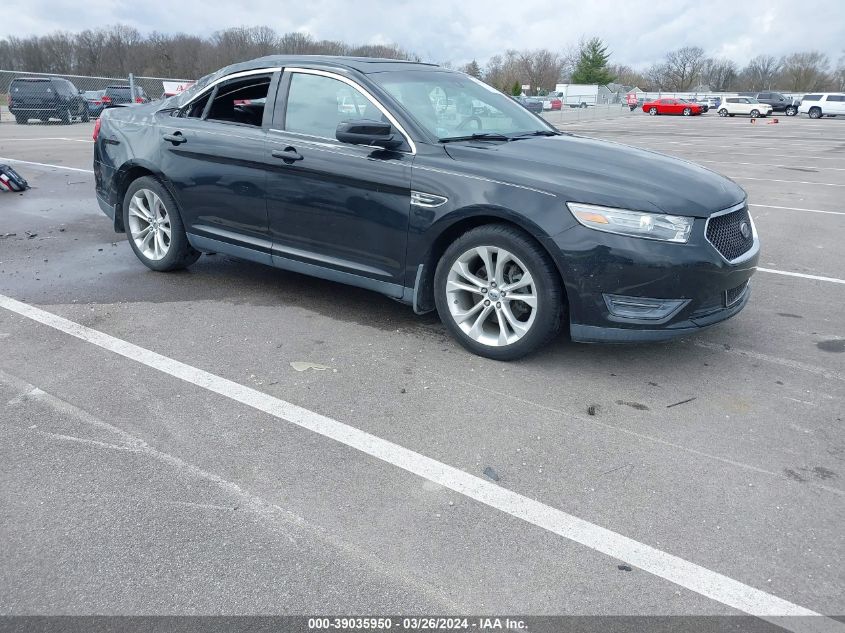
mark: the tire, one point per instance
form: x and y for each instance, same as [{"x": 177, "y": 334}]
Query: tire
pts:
[
  {"x": 652, "y": 111},
  {"x": 755, "y": 114},
  {"x": 723, "y": 112},
  {"x": 791, "y": 111},
  {"x": 731, "y": 115},
  {"x": 84, "y": 116},
  {"x": 815, "y": 113},
  {"x": 526, "y": 327},
  {"x": 687, "y": 112},
  {"x": 159, "y": 253},
  {"x": 64, "y": 117},
  {"x": 21, "y": 120}
]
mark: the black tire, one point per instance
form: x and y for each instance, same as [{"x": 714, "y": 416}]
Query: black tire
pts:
[
  {"x": 755, "y": 114},
  {"x": 546, "y": 282},
  {"x": 21, "y": 120},
  {"x": 180, "y": 253},
  {"x": 64, "y": 117},
  {"x": 723, "y": 112},
  {"x": 687, "y": 112},
  {"x": 815, "y": 113},
  {"x": 791, "y": 111},
  {"x": 653, "y": 111},
  {"x": 84, "y": 116}
]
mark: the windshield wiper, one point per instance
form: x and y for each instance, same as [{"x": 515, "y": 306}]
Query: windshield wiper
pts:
[
  {"x": 538, "y": 133},
  {"x": 478, "y": 136}
]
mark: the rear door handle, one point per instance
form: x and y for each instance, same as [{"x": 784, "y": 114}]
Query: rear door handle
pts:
[
  {"x": 289, "y": 155},
  {"x": 177, "y": 138}
]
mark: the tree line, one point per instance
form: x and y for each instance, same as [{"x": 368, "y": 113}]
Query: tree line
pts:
[{"x": 117, "y": 50}]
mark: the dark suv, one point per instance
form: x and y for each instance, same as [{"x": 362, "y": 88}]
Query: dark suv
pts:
[
  {"x": 779, "y": 102},
  {"x": 121, "y": 94},
  {"x": 46, "y": 98}
]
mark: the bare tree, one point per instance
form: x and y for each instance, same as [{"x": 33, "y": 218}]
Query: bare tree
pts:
[
  {"x": 541, "y": 68},
  {"x": 682, "y": 68},
  {"x": 627, "y": 76},
  {"x": 761, "y": 73},
  {"x": 719, "y": 74},
  {"x": 805, "y": 71}
]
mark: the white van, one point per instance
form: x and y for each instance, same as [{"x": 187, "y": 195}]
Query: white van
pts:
[{"x": 821, "y": 104}]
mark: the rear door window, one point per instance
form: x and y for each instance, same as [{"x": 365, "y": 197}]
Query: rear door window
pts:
[
  {"x": 240, "y": 101},
  {"x": 812, "y": 98}
]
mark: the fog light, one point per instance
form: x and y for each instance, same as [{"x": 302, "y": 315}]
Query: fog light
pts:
[{"x": 643, "y": 307}]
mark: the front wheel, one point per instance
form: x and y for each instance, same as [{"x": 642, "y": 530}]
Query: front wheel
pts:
[
  {"x": 815, "y": 113},
  {"x": 498, "y": 293},
  {"x": 687, "y": 112},
  {"x": 155, "y": 228},
  {"x": 755, "y": 114},
  {"x": 652, "y": 111},
  {"x": 723, "y": 112}
]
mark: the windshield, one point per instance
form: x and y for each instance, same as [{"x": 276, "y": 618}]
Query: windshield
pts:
[{"x": 452, "y": 105}]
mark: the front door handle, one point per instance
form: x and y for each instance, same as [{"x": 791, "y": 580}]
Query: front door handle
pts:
[
  {"x": 177, "y": 138},
  {"x": 289, "y": 155}
]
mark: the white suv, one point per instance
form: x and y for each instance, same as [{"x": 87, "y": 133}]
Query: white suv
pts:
[
  {"x": 732, "y": 106},
  {"x": 823, "y": 104}
]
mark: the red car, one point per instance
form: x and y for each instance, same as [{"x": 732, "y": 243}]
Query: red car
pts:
[{"x": 671, "y": 106}]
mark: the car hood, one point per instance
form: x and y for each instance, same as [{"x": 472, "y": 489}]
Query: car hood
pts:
[{"x": 580, "y": 169}]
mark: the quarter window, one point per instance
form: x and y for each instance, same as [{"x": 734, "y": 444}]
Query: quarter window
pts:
[
  {"x": 316, "y": 104},
  {"x": 836, "y": 97}
]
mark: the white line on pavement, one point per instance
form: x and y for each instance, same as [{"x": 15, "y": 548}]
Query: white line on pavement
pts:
[
  {"x": 50, "y": 138},
  {"x": 772, "y": 206},
  {"x": 693, "y": 577},
  {"x": 792, "y": 182},
  {"x": 733, "y": 162},
  {"x": 29, "y": 162},
  {"x": 802, "y": 275}
]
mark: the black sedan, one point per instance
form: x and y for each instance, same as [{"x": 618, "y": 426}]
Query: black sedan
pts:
[
  {"x": 531, "y": 104},
  {"x": 434, "y": 189}
]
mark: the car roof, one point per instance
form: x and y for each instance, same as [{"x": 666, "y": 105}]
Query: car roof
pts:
[{"x": 365, "y": 65}]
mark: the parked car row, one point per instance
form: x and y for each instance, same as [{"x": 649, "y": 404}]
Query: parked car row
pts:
[
  {"x": 46, "y": 98},
  {"x": 752, "y": 104}
]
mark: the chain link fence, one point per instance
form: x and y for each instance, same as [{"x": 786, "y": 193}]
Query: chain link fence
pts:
[{"x": 32, "y": 98}]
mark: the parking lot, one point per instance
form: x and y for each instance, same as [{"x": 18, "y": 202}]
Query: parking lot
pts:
[{"x": 238, "y": 439}]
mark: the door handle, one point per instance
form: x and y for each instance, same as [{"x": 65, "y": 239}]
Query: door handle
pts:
[
  {"x": 289, "y": 155},
  {"x": 177, "y": 138}
]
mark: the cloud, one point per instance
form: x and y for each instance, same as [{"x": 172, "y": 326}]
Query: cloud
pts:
[{"x": 637, "y": 33}]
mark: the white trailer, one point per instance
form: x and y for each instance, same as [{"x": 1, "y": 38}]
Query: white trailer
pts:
[{"x": 583, "y": 95}]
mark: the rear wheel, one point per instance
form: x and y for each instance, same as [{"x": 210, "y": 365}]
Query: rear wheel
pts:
[
  {"x": 815, "y": 113},
  {"x": 84, "y": 116},
  {"x": 791, "y": 111},
  {"x": 21, "y": 120},
  {"x": 498, "y": 293},
  {"x": 723, "y": 112},
  {"x": 652, "y": 111},
  {"x": 155, "y": 228},
  {"x": 64, "y": 117}
]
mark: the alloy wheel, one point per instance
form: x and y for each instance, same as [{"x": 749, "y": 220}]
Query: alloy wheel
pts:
[
  {"x": 149, "y": 224},
  {"x": 491, "y": 296}
]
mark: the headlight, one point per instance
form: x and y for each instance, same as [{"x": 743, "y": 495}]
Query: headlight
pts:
[{"x": 654, "y": 226}]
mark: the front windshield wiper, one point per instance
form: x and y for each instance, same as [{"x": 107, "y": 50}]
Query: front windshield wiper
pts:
[
  {"x": 478, "y": 136},
  {"x": 538, "y": 133}
]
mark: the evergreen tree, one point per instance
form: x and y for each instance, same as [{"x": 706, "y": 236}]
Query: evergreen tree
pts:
[
  {"x": 516, "y": 90},
  {"x": 473, "y": 69},
  {"x": 592, "y": 64}
]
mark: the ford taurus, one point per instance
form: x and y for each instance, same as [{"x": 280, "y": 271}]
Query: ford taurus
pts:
[{"x": 432, "y": 188}]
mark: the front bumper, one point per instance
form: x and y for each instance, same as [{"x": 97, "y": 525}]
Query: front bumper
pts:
[{"x": 595, "y": 264}]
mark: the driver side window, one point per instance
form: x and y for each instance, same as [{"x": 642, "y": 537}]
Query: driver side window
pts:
[{"x": 316, "y": 104}]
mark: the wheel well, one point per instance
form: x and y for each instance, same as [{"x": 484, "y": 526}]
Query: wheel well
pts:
[
  {"x": 125, "y": 178},
  {"x": 425, "y": 290}
]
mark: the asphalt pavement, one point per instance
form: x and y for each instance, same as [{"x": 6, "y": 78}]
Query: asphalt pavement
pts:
[{"x": 128, "y": 490}]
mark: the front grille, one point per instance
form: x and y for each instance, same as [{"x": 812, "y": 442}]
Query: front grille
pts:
[
  {"x": 735, "y": 294},
  {"x": 725, "y": 234}
]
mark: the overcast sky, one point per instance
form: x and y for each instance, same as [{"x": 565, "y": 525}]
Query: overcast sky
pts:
[{"x": 637, "y": 32}]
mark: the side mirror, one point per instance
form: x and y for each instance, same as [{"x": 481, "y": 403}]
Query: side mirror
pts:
[{"x": 366, "y": 132}]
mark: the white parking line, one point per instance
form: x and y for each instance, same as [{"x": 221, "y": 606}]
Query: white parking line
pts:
[
  {"x": 832, "y": 280},
  {"x": 29, "y": 162},
  {"x": 732, "y": 162},
  {"x": 50, "y": 138},
  {"x": 693, "y": 577},
  {"x": 772, "y": 206},
  {"x": 792, "y": 182}
]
